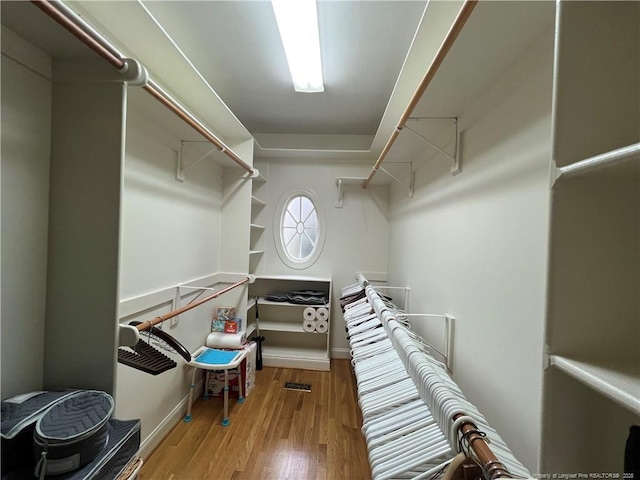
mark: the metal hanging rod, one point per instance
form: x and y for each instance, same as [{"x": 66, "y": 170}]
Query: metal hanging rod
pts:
[
  {"x": 163, "y": 318},
  {"x": 492, "y": 467},
  {"x": 129, "y": 335},
  {"x": 90, "y": 37},
  {"x": 454, "y": 31},
  {"x": 607, "y": 159}
]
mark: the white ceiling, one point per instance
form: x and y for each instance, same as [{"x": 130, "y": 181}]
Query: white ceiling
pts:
[
  {"x": 235, "y": 46},
  {"x": 30, "y": 23}
]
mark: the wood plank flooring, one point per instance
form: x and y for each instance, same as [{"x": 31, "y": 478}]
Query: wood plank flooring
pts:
[{"x": 275, "y": 434}]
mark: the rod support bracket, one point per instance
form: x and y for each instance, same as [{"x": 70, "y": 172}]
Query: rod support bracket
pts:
[
  {"x": 181, "y": 167},
  {"x": 456, "y": 167},
  {"x": 254, "y": 173},
  {"x": 339, "y": 187},
  {"x": 546, "y": 361},
  {"x": 134, "y": 73},
  {"x": 128, "y": 335},
  {"x": 456, "y": 157},
  {"x": 412, "y": 176},
  {"x": 554, "y": 173},
  {"x": 449, "y": 325}
]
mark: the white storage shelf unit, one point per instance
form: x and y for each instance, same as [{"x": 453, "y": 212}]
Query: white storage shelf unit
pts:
[
  {"x": 286, "y": 343},
  {"x": 592, "y": 383},
  {"x": 256, "y": 247}
]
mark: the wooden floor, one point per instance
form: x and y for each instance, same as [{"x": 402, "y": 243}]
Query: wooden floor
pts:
[{"x": 275, "y": 434}]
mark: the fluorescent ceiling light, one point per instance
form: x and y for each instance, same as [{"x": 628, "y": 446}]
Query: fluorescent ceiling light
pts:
[{"x": 298, "y": 24}]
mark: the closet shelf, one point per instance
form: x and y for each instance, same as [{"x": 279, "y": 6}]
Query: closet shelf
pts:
[
  {"x": 251, "y": 303},
  {"x": 618, "y": 380},
  {"x": 350, "y": 180},
  {"x": 294, "y": 278},
  {"x": 287, "y": 344},
  {"x": 295, "y": 353},
  {"x": 250, "y": 329},
  {"x": 288, "y": 304},
  {"x": 608, "y": 159},
  {"x": 282, "y": 326},
  {"x": 257, "y": 202}
]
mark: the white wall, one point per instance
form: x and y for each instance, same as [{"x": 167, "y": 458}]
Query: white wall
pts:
[
  {"x": 474, "y": 246},
  {"x": 357, "y": 233},
  {"x": 26, "y": 139},
  {"x": 84, "y": 229},
  {"x": 170, "y": 229},
  {"x": 170, "y": 235}
]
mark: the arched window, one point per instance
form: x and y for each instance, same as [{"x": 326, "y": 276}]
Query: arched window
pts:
[{"x": 300, "y": 229}]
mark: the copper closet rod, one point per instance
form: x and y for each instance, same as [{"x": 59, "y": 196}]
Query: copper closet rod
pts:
[
  {"x": 492, "y": 468},
  {"x": 452, "y": 34},
  {"x": 109, "y": 53},
  {"x": 174, "y": 313}
]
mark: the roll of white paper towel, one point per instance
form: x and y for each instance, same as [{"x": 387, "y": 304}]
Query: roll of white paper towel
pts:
[
  {"x": 322, "y": 314},
  {"x": 309, "y": 325},
  {"x": 322, "y": 326},
  {"x": 309, "y": 313},
  {"x": 226, "y": 340}
]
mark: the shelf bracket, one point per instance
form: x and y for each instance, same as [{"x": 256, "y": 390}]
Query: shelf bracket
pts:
[
  {"x": 341, "y": 182},
  {"x": 456, "y": 158},
  {"x": 181, "y": 167},
  {"x": 411, "y": 178},
  {"x": 339, "y": 187},
  {"x": 546, "y": 361},
  {"x": 255, "y": 173},
  {"x": 406, "y": 290},
  {"x": 177, "y": 302},
  {"x": 554, "y": 173},
  {"x": 447, "y": 349}
]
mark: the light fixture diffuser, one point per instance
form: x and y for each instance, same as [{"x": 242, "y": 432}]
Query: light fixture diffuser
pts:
[{"x": 298, "y": 25}]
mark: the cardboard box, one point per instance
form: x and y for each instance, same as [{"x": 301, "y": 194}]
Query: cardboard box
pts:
[
  {"x": 215, "y": 378},
  {"x": 217, "y": 325},
  {"x": 233, "y": 326},
  {"x": 250, "y": 370},
  {"x": 215, "y": 382},
  {"x": 225, "y": 313}
]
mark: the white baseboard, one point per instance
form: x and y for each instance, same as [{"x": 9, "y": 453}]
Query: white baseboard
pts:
[
  {"x": 340, "y": 353},
  {"x": 150, "y": 443},
  {"x": 288, "y": 362}
]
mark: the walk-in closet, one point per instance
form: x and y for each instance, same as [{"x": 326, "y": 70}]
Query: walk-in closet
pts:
[{"x": 422, "y": 263}]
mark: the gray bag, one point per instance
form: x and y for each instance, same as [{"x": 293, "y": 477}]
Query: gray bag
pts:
[
  {"x": 18, "y": 418},
  {"x": 72, "y": 432}
]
